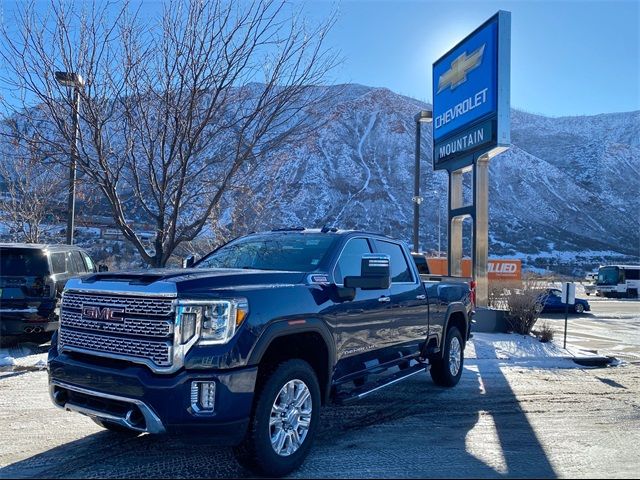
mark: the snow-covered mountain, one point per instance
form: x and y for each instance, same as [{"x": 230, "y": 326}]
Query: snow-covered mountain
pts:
[
  {"x": 568, "y": 190},
  {"x": 566, "y": 193}
]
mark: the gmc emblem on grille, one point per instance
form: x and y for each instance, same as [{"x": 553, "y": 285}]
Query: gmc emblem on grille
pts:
[{"x": 103, "y": 313}]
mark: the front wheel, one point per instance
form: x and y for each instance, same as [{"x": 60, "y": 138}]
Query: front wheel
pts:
[
  {"x": 446, "y": 371},
  {"x": 284, "y": 420},
  {"x": 579, "y": 308}
]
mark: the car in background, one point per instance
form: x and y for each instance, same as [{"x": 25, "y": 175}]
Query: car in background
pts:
[
  {"x": 32, "y": 277},
  {"x": 553, "y": 302},
  {"x": 590, "y": 286}
]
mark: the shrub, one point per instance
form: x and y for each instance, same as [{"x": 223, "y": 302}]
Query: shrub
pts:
[
  {"x": 545, "y": 333},
  {"x": 522, "y": 301}
]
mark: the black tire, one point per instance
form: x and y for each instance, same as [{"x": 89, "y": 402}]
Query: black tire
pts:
[
  {"x": 256, "y": 451},
  {"x": 578, "y": 308},
  {"x": 441, "y": 367},
  {"x": 114, "y": 427}
]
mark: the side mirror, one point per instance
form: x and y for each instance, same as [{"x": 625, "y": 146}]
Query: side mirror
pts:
[
  {"x": 375, "y": 273},
  {"x": 103, "y": 268},
  {"x": 189, "y": 261}
]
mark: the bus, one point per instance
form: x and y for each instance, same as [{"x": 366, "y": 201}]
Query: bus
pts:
[{"x": 618, "y": 281}]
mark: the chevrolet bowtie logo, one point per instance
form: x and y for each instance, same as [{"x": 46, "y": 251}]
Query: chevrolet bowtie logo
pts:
[{"x": 460, "y": 67}]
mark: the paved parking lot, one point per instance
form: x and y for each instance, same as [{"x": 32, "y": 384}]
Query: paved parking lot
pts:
[
  {"x": 506, "y": 418},
  {"x": 502, "y": 420},
  {"x": 612, "y": 327}
]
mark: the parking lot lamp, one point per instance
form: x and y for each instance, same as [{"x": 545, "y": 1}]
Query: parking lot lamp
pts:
[
  {"x": 74, "y": 82},
  {"x": 423, "y": 116}
]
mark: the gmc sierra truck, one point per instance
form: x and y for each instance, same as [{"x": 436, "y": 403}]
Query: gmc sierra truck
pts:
[{"x": 247, "y": 344}]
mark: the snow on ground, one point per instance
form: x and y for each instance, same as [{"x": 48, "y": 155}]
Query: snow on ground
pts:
[
  {"x": 28, "y": 356},
  {"x": 522, "y": 349}
]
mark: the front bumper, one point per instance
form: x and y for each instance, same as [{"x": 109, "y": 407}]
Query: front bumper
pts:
[{"x": 134, "y": 397}]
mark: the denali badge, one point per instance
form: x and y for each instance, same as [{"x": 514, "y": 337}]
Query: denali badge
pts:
[{"x": 93, "y": 312}]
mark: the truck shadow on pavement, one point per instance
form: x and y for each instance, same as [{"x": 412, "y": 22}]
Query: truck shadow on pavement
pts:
[{"x": 478, "y": 429}]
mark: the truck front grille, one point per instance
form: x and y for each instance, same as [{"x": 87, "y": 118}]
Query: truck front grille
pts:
[
  {"x": 135, "y": 305},
  {"x": 134, "y": 326},
  {"x": 142, "y": 330}
]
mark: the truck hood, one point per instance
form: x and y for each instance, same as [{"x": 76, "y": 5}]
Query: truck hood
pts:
[{"x": 193, "y": 279}]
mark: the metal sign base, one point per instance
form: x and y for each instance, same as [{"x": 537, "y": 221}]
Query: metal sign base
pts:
[{"x": 478, "y": 211}]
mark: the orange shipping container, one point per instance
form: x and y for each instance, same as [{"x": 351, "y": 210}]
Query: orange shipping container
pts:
[{"x": 498, "y": 269}]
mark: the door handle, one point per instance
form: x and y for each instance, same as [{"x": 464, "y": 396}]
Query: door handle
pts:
[
  {"x": 384, "y": 299},
  {"x": 421, "y": 297}
]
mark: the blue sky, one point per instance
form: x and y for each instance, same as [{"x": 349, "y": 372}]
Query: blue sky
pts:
[{"x": 569, "y": 57}]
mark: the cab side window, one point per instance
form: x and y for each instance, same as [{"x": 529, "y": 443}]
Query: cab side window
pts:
[
  {"x": 400, "y": 271},
  {"x": 88, "y": 262},
  {"x": 74, "y": 260},
  {"x": 58, "y": 262},
  {"x": 349, "y": 263}
]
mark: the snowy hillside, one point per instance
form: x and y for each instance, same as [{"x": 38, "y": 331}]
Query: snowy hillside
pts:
[{"x": 568, "y": 191}]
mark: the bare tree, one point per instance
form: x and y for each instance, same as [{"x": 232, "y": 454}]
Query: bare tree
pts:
[
  {"x": 31, "y": 190},
  {"x": 175, "y": 110},
  {"x": 240, "y": 211}
]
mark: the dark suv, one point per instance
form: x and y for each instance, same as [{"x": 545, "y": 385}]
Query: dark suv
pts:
[{"x": 32, "y": 277}]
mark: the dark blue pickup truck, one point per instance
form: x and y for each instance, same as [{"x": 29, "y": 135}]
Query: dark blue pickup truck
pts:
[{"x": 248, "y": 343}]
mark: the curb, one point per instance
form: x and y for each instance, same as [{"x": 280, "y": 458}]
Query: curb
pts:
[{"x": 596, "y": 361}]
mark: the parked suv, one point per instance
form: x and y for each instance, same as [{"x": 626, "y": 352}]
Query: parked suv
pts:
[{"x": 32, "y": 277}]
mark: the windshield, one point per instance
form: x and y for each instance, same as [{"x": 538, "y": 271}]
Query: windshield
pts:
[
  {"x": 608, "y": 276},
  {"x": 23, "y": 262},
  {"x": 294, "y": 252}
]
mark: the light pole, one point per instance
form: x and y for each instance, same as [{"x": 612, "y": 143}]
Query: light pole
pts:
[
  {"x": 74, "y": 82},
  {"x": 423, "y": 116}
]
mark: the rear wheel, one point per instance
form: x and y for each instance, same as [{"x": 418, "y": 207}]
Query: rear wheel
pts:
[
  {"x": 447, "y": 370},
  {"x": 578, "y": 308},
  {"x": 284, "y": 421}
]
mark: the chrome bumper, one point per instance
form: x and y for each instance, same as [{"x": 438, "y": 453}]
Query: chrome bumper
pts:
[{"x": 153, "y": 424}]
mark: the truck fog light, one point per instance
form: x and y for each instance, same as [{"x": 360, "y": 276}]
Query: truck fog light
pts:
[{"x": 203, "y": 396}]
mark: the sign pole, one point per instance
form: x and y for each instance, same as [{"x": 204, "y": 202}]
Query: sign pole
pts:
[
  {"x": 454, "y": 252},
  {"x": 565, "y": 299},
  {"x": 569, "y": 298},
  {"x": 481, "y": 230}
]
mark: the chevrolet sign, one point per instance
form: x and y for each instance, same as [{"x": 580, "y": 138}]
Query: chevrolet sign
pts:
[
  {"x": 471, "y": 96},
  {"x": 457, "y": 74}
]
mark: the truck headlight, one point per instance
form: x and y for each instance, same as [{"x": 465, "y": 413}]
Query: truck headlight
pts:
[
  {"x": 220, "y": 320},
  {"x": 214, "y": 321}
]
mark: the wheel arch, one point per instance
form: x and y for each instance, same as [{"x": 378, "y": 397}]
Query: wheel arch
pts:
[
  {"x": 308, "y": 339},
  {"x": 457, "y": 316}
]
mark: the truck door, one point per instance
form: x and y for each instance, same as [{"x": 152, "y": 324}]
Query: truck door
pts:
[
  {"x": 409, "y": 310},
  {"x": 361, "y": 327}
]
